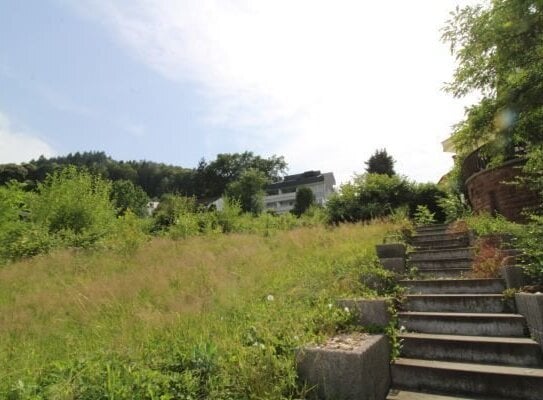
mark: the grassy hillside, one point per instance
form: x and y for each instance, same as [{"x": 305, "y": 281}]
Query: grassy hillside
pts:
[{"x": 217, "y": 316}]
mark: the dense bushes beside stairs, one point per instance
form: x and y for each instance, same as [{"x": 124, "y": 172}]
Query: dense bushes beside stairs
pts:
[{"x": 376, "y": 195}]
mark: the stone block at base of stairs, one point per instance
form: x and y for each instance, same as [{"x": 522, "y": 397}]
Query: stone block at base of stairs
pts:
[
  {"x": 390, "y": 250},
  {"x": 396, "y": 264},
  {"x": 369, "y": 312},
  {"x": 346, "y": 367},
  {"x": 513, "y": 276},
  {"x": 469, "y": 379},
  {"x": 530, "y": 305}
]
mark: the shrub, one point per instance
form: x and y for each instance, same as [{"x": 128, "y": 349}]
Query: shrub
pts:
[
  {"x": 529, "y": 241},
  {"x": 423, "y": 216},
  {"x": 170, "y": 209},
  {"x": 249, "y": 190},
  {"x": 304, "y": 199},
  {"x": 452, "y": 207},
  {"x": 73, "y": 205},
  {"x": 128, "y": 233},
  {"x": 127, "y": 196},
  {"x": 377, "y": 195}
]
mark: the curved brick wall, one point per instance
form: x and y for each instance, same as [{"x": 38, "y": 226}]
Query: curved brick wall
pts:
[{"x": 488, "y": 192}]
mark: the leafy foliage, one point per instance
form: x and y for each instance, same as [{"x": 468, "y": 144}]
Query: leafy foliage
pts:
[
  {"x": 74, "y": 205},
  {"x": 380, "y": 163},
  {"x": 305, "y": 198},
  {"x": 127, "y": 196},
  {"x": 375, "y": 195},
  {"x": 423, "y": 216},
  {"x": 248, "y": 190},
  {"x": 208, "y": 180},
  {"x": 498, "y": 47}
]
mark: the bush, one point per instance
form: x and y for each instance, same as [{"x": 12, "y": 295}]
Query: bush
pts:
[
  {"x": 304, "y": 199},
  {"x": 453, "y": 208},
  {"x": 127, "y": 196},
  {"x": 128, "y": 233},
  {"x": 75, "y": 206},
  {"x": 423, "y": 216},
  {"x": 530, "y": 239},
  {"x": 377, "y": 195},
  {"x": 170, "y": 209}
]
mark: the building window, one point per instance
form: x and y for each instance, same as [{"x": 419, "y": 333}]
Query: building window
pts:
[{"x": 289, "y": 190}]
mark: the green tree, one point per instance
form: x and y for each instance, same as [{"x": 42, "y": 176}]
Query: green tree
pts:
[
  {"x": 127, "y": 196},
  {"x": 380, "y": 163},
  {"x": 249, "y": 190},
  {"x": 215, "y": 176},
  {"x": 305, "y": 198},
  {"x": 498, "y": 48}
]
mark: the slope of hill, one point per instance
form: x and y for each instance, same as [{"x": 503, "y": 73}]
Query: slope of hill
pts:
[{"x": 217, "y": 316}]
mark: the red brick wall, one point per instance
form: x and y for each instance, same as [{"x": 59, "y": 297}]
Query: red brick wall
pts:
[{"x": 489, "y": 192}]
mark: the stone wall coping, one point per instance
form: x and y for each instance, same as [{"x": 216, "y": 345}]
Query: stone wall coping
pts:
[{"x": 515, "y": 161}]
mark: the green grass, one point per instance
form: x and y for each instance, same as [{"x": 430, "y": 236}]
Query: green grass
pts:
[{"x": 217, "y": 316}]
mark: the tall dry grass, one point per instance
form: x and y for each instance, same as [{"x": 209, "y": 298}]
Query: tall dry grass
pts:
[{"x": 81, "y": 305}]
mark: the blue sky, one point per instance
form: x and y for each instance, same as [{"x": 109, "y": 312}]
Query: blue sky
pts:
[{"x": 323, "y": 83}]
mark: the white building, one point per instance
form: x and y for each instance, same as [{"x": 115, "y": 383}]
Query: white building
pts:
[{"x": 281, "y": 196}]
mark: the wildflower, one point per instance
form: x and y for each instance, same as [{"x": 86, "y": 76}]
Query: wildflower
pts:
[
  {"x": 270, "y": 297},
  {"x": 329, "y": 306},
  {"x": 402, "y": 328},
  {"x": 346, "y": 309}
]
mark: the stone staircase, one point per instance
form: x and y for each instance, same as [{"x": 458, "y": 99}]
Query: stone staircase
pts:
[{"x": 462, "y": 339}]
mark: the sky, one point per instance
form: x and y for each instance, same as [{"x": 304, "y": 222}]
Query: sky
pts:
[{"x": 323, "y": 83}]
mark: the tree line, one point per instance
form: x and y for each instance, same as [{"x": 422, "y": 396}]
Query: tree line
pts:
[{"x": 207, "y": 181}]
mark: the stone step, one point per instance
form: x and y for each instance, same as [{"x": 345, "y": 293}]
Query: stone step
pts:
[
  {"x": 454, "y": 286},
  {"x": 472, "y": 303},
  {"x": 443, "y": 263},
  {"x": 439, "y": 254},
  {"x": 396, "y": 394},
  {"x": 522, "y": 352},
  {"x": 470, "y": 324},
  {"x": 432, "y": 227},
  {"x": 433, "y": 236},
  {"x": 435, "y": 273},
  {"x": 513, "y": 383},
  {"x": 440, "y": 244}
]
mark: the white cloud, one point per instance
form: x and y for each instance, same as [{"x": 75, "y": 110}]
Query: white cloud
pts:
[
  {"x": 323, "y": 83},
  {"x": 17, "y": 146}
]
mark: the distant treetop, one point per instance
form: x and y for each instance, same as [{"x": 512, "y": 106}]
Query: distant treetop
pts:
[{"x": 380, "y": 163}]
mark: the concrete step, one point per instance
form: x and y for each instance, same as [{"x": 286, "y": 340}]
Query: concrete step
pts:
[
  {"x": 433, "y": 236},
  {"x": 470, "y": 324},
  {"x": 442, "y": 263},
  {"x": 513, "y": 383},
  {"x": 439, "y": 244},
  {"x": 522, "y": 352},
  {"x": 439, "y": 254},
  {"x": 472, "y": 303},
  {"x": 396, "y": 394},
  {"x": 435, "y": 273},
  {"x": 454, "y": 286},
  {"x": 432, "y": 228}
]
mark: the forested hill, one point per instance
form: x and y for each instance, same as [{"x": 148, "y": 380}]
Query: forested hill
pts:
[{"x": 205, "y": 181}]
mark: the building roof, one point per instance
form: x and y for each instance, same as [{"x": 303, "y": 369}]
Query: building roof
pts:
[{"x": 301, "y": 179}]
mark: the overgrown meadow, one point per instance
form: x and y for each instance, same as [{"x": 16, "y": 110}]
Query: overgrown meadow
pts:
[
  {"x": 218, "y": 316},
  {"x": 99, "y": 303}
]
